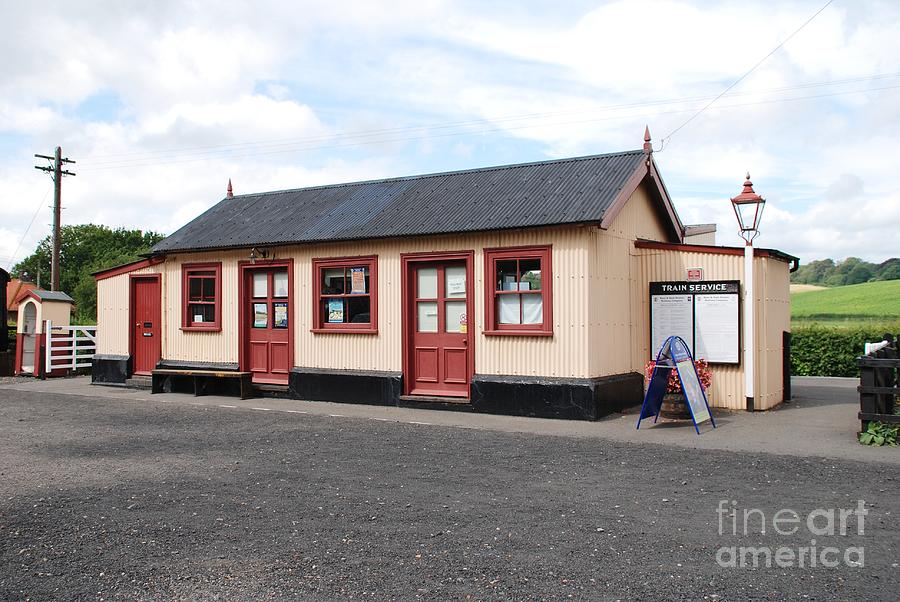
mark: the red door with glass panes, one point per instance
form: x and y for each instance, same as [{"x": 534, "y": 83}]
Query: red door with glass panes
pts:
[
  {"x": 440, "y": 333},
  {"x": 267, "y": 309}
]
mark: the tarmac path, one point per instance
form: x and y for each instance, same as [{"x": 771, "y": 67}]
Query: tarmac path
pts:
[{"x": 111, "y": 496}]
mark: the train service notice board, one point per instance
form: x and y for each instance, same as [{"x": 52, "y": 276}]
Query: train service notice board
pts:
[{"x": 706, "y": 315}]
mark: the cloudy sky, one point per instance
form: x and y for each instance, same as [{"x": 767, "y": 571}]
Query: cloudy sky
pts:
[{"x": 161, "y": 102}]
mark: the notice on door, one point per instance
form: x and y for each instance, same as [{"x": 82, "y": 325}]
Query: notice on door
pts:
[
  {"x": 705, "y": 314},
  {"x": 260, "y": 315},
  {"x": 281, "y": 315},
  {"x": 456, "y": 284}
]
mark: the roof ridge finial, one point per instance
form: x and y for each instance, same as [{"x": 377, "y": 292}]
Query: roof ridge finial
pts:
[
  {"x": 648, "y": 148},
  {"x": 229, "y": 193}
]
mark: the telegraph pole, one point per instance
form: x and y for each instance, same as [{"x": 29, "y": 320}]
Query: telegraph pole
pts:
[{"x": 57, "y": 173}]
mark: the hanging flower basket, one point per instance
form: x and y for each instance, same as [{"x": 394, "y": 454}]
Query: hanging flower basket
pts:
[{"x": 673, "y": 404}]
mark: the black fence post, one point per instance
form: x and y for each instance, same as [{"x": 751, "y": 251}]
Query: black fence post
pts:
[
  {"x": 879, "y": 384},
  {"x": 866, "y": 400},
  {"x": 786, "y": 365}
]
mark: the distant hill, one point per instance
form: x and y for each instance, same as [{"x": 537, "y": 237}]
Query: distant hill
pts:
[
  {"x": 869, "y": 301},
  {"x": 853, "y": 270}
]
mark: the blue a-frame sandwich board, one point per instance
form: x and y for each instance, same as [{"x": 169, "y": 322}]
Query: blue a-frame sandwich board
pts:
[{"x": 675, "y": 355}]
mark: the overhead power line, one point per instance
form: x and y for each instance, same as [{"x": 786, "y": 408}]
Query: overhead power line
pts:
[
  {"x": 12, "y": 258},
  {"x": 668, "y": 136}
]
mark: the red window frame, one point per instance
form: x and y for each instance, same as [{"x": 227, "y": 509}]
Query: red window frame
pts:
[
  {"x": 491, "y": 257},
  {"x": 320, "y": 325},
  {"x": 188, "y": 272}
]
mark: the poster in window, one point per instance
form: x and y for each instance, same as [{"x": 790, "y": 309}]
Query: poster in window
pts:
[
  {"x": 336, "y": 311},
  {"x": 260, "y": 315},
  {"x": 357, "y": 281},
  {"x": 281, "y": 315}
]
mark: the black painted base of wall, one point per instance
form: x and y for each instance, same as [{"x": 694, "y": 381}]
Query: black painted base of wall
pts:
[
  {"x": 110, "y": 369},
  {"x": 567, "y": 398},
  {"x": 346, "y": 386}
]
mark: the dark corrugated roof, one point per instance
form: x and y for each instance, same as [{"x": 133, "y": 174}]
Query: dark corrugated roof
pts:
[{"x": 563, "y": 191}]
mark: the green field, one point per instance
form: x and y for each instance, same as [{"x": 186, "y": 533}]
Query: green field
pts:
[
  {"x": 831, "y": 326},
  {"x": 855, "y": 305}
]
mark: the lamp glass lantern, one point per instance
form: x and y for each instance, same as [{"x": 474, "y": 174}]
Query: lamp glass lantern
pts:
[{"x": 748, "y": 208}]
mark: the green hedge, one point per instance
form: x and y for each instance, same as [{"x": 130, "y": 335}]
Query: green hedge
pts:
[{"x": 823, "y": 351}]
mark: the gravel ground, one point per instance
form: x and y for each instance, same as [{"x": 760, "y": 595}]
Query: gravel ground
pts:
[{"x": 110, "y": 499}]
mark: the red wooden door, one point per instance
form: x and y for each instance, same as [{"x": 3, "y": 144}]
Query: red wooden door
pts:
[
  {"x": 146, "y": 343},
  {"x": 267, "y": 315},
  {"x": 440, "y": 335}
]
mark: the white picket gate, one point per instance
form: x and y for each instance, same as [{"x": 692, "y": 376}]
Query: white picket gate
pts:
[{"x": 69, "y": 347}]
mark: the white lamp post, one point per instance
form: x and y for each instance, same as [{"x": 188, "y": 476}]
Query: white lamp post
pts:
[{"x": 748, "y": 208}]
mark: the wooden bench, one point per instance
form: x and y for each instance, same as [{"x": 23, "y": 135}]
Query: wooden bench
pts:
[{"x": 201, "y": 378}]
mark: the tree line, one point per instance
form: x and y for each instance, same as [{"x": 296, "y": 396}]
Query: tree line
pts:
[
  {"x": 84, "y": 249},
  {"x": 853, "y": 270}
]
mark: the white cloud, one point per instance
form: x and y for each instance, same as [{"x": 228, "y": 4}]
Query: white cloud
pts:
[{"x": 224, "y": 75}]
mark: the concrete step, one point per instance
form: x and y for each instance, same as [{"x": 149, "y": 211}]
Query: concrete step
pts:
[
  {"x": 139, "y": 382},
  {"x": 275, "y": 391},
  {"x": 452, "y": 404}
]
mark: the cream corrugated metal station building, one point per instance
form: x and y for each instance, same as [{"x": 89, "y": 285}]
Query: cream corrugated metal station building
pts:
[{"x": 519, "y": 289}]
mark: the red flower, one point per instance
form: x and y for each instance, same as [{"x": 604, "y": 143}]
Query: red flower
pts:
[{"x": 674, "y": 384}]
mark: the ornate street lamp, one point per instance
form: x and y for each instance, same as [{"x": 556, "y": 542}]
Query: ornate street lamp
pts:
[{"x": 748, "y": 208}]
